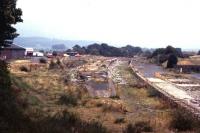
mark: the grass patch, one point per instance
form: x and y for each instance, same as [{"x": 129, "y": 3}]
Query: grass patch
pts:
[
  {"x": 32, "y": 100},
  {"x": 17, "y": 81}
]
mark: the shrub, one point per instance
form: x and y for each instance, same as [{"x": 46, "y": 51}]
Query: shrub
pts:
[
  {"x": 153, "y": 93},
  {"x": 24, "y": 69},
  {"x": 119, "y": 120},
  {"x": 172, "y": 61},
  {"x": 5, "y": 81},
  {"x": 67, "y": 122},
  {"x": 115, "y": 97},
  {"x": 93, "y": 127},
  {"x": 68, "y": 99},
  {"x": 99, "y": 104},
  {"x": 138, "y": 127},
  {"x": 182, "y": 120},
  {"x": 58, "y": 61},
  {"x": 11, "y": 117},
  {"x": 198, "y": 53},
  {"x": 43, "y": 60},
  {"x": 54, "y": 53},
  {"x": 139, "y": 85},
  {"x": 52, "y": 65}
]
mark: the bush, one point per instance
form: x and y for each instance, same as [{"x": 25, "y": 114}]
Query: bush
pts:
[
  {"x": 182, "y": 121},
  {"x": 67, "y": 80},
  {"x": 99, "y": 104},
  {"x": 119, "y": 120},
  {"x": 153, "y": 92},
  {"x": 11, "y": 117},
  {"x": 94, "y": 127},
  {"x": 138, "y": 127},
  {"x": 24, "y": 69},
  {"x": 58, "y": 61},
  {"x": 54, "y": 53},
  {"x": 198, "y": 53},
  {"x": 67, "y": 122},
  {"x": 115, "y": 97},
  {"x": 52, "y": 65},
  {"x": 68, "y": 99},
  {"x": 172, "y": 61},
  {"x": 5, "y": 81},
  {"x": 138, "y": 85},
  {"x": 43, "y": 60}
]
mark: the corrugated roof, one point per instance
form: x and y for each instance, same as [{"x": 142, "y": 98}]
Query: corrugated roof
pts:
[
  {"x": 189, "y": 62},
  {"x": 14, "y": 46}
]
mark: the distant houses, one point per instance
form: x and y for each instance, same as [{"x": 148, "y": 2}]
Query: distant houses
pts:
[
  {"x": 29, "y": 52},
  {"x": 12, "y": 51},
  {"x": 189, "y": 65}
]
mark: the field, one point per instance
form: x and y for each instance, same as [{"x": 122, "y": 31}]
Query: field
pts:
[{"x": 120, "y": 103}]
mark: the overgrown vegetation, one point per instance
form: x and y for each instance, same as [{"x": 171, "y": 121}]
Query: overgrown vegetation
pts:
[
  {"x": 67, "y": 122},
  {"x": 138, "y": 127},
  {"x": 11, "y": 117},
  {"x": 183, "y": 121}
]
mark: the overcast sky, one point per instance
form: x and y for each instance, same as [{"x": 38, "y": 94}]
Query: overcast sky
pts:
[{"x": 145, "y": 23}]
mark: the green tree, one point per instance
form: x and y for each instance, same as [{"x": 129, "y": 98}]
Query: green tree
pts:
[
  {"x": 172, "y": 61},
  {"x": 198, "y": 52},
  {"x": 9, "y": 15}
]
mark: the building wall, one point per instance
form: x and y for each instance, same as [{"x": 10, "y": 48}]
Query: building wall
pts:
[
  {"x": 12, "y": 53},
  {"x": 189, "y": 68}
]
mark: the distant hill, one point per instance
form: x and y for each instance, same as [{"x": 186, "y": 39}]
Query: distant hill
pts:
[{"x": 47, "y": 43}]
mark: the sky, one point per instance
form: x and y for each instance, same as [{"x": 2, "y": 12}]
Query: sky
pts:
[{"x": 145, "y": 23}]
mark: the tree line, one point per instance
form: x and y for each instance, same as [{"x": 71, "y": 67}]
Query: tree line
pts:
[{"x": 106, "y": 50}]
